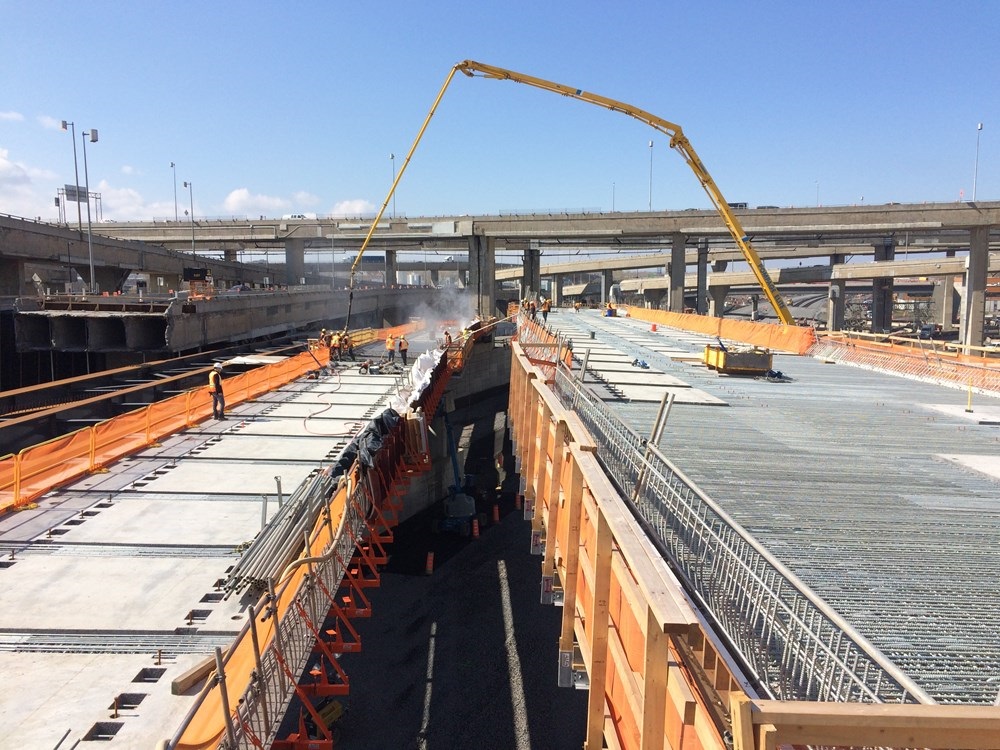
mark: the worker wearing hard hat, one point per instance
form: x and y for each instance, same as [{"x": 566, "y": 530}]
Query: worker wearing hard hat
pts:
[
  {"x": 390, "y": 348},
  {"x": 215, "y": 388},
  {"x": 404, "y": 347}
]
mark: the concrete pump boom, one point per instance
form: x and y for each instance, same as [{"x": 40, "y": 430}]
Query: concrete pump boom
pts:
[{"x": 678, "y": 141}]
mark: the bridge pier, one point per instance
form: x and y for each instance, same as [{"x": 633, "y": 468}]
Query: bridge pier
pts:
[
  {"x": 702, "y": 295},
  {"x": 391, "y": 268},
  {"x": 607, "y": 279},
  {"x": 532, "y": 269},
  {"x": 836, "y": 305},
  {"x": 974, "y": 304},
  {"x": 678, "y": 269},
  {"x": 483, "y": 273},
  {"x": 295, "y": 262},
  {"x": 653, "y": 298},
  {"x": 945, "y": 302},
  {"x": 882, "y": 289},
  {"x": 717, "y": 300},
  {"x": 12, "y": 281},
  {"x": 558, "y": 282}
]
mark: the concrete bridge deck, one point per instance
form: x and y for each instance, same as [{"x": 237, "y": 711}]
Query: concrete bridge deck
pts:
[{"x": 882, "y": 494}]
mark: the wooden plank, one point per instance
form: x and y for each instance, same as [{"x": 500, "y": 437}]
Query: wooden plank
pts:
[
  {"x": 654, "y": 691},
  {"x": 887, "y": 725},
  {"x": 599, "y": 655},
  {"x": 659, "y": 587},
  {"x": 742, "y": 720}
]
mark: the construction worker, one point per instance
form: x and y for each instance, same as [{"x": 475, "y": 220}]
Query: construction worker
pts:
[
  {"x": 390, "y": 348},
  {"x": 404, "y": 347},
  {"x": 447, "y": 339},
  {"x": 546, "y": 306},
  {"x": 215, "y": 388},
  {"x": 334, "y": 343},
  {"x": 346, "y": 345}
]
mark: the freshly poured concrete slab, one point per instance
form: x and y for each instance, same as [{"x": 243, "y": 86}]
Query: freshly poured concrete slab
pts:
[
  {"x": 320, "y": 411},
  {"x": 982, "y": 413},
  {"x": 332, "y": 428},
  {"x": 174, "y": 520},
  {"x": 236, "y": 477},
  {"x": 293, "y": 448},
  {"x": 142, "y": 593},
  {"x": 643, "y": 377},
  {"x": 987, "y": 465},
  {"x": 681, "y": 395},
  {"x": 622, "y": 367}
]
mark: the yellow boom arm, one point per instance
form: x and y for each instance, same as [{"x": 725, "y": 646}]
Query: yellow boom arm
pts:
[{"x": 678, "y": 141}]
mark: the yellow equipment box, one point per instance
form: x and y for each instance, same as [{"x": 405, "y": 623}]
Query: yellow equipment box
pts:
[{"x": 747, "y": 362}]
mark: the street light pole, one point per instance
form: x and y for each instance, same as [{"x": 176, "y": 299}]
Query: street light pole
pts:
[
  {"x": 92, "y": 134},
  {"x": 174, "y": 168},
  {"x": 190, "y": 186},
  {"x": 975, "y": 175},
  {"x": 76, "y": 175},
  {"x": 392, "y": 158},
  {"x": 650, "y": 175}
]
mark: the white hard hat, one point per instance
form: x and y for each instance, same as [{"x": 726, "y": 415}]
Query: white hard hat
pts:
[{"x": 218, "y": 365}]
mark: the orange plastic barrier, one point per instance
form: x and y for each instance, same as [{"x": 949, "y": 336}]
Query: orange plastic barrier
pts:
[
  {"x": 207, "y": 727},
  {"x": 36, "y": 470},
  {"x": 795, "y": 339}
]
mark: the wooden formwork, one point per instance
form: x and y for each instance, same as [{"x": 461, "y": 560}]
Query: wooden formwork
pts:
[{"x": 657, "y": 674}]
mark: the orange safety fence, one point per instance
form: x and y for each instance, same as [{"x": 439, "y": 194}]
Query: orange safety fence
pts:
[
  {"x": 34, "y": 471},
  {"x": 207, "y": 727},
  {"x": 915, "y": 359},
  {"x": 795, "y": 339}
]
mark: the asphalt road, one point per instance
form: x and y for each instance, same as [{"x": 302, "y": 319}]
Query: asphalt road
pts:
[{"x": 465, "y": 657}]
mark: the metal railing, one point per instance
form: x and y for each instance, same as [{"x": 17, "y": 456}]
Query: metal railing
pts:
[{"x": 798, "y": 647}]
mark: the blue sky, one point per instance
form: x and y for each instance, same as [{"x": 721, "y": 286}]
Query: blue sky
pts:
[{"x": 276, "y": 108}]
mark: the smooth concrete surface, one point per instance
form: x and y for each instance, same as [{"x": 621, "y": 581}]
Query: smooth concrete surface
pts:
[{"x": 117, "y": 573}]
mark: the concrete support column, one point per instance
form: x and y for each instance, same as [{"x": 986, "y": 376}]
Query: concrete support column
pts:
[
  {"x": 391, "y": 269},
  {"x": 607, "y": 279},
  {"x": 295, "y": 261},
  {"x": 12, "y": 281},
  {"x": 702, "y": 303},
  {"x": 653, "y": 297},
  {"x": 483, "y": 273},
  {"x": 678, "y": 268},
  {"x": 717, "y": 300},
  {"x": 531, "y": 264},
  {"x": 882, "y": 289},
  {"x": 943, "y": 302},
  {"x": 974, "y": 305},
  {"x": 557, "y": 290},
  {"x": 109, "y": 279},
  {"x": 836, "y": 305},
  {"x": 230, "y": 255},
  {"x": 435, "y": 277}
]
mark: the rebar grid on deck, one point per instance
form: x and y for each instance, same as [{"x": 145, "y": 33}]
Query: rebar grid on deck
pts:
[{"x": 797, "y": 646}]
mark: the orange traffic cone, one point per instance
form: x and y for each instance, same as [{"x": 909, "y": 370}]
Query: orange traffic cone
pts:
[
  {"x": 496, "y": 513},
  {"x": 429, "y": 567},
  {"x": 475, "y": 528}
]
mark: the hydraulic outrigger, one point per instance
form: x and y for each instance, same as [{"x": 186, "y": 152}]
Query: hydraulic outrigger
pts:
[{"x": 678, "y": 141}]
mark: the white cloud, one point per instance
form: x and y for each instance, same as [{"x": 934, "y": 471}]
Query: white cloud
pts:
[
  {"x": 19, "y": 189},
  {"x": 11, "y": 116},
  {"x": 49, "y": 123},
  {"x": 302, "y": 198},
  {"x": 129, "y": 170},
  {"x": 242, "y": 202},
  {"x": 355, "y": 207}
]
